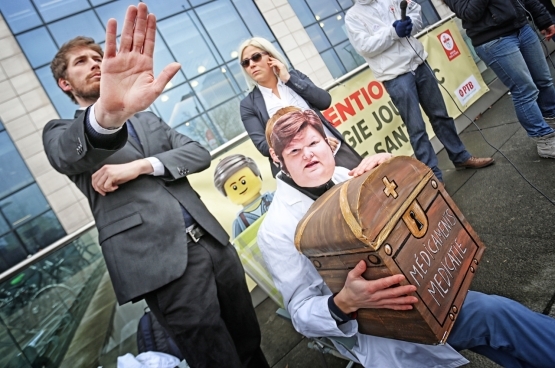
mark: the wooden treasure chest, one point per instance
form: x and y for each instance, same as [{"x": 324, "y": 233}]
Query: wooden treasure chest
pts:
[{"x": 399, "y": 219}]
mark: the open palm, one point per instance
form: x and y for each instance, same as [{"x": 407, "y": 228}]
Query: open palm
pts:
[{"x": 128, "y": 85}]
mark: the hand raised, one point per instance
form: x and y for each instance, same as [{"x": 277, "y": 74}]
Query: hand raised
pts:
[
  {"x": 127, "y": 83},
  {"x": 369, "y": 163},
  {"x": 280, "y": 69},
  {"x": 382, "y": 293}
]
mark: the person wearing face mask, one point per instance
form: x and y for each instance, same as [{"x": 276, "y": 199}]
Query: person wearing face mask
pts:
[
  {"x": 273, "y": 87},
  {"x": 397, "y": 59},
  {"x": 499, "y": 328}
]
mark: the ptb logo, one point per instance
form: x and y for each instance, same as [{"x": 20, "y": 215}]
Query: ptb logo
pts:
[{"x": 467, "y": 89}]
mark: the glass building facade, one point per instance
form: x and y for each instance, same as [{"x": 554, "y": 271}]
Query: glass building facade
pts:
[
  {"x": 202, "y": 100},
  {"x": 324, "y": 21},
  {"x": 27, "y": 223}
]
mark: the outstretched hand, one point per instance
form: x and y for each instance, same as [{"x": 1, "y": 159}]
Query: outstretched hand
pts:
[
  {"x": 369, "y": 163},
  {"x": 127, "y": 83},
  {"x": 381, "y": 293}
]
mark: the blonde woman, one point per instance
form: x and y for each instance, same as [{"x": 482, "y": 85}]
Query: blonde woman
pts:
[{"x": 274, "y": 86}]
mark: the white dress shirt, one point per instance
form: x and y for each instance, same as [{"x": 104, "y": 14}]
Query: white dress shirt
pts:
[
  {"x": 306, "y": 295},
  {"x": 288, "y": 97},
  {"x": 157, "y": 165}
]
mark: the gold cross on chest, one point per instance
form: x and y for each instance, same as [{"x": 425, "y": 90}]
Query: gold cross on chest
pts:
[{"x": 390, "y": 186}]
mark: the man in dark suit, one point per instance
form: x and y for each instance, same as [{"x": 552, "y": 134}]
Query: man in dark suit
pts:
[{"x": 159, "y": 241}]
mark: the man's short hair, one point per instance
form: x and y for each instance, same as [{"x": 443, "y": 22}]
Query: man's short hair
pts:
[{"x": 60, "y": 61}]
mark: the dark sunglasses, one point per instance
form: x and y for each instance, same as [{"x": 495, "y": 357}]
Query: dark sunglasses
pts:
[{"x": 255, "y": 57}]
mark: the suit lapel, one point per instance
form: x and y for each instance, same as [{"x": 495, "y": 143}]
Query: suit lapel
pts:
[{"x": 258, "y": 101}]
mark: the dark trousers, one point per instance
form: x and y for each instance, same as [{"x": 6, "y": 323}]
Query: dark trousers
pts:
[
  {"x": 408, "y": 92},
  {"x": 208, "y": 310}
]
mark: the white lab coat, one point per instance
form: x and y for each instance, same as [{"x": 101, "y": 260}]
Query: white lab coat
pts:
[
  {"x": 306, "y": 295},
  {"x": 370, "y": 30}
]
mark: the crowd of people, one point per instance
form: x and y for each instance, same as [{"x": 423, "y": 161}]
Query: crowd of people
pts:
[{"x": 161, "y": 243}]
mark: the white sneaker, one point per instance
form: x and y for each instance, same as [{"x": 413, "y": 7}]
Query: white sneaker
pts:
[
  {"x": 550, "y": 121},
  {"x": 546, "y": 145}
]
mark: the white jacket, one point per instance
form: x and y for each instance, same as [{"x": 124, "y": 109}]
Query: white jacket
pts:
[
  {"x": 370, "y": 30},
  {"x": 306, "y": 295}
]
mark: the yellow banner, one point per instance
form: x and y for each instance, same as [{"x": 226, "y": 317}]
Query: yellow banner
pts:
[{"x": 363, "y": 112}]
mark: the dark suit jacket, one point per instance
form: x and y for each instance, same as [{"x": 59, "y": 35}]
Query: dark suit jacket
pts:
[
  {"x": 254, "y": 113},
  {"x": 141, "y": 228}
]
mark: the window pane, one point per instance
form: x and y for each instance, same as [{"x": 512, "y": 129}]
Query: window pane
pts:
[
  {"x": 162, "y": 57},
  {"x": 349, "y": 56},
  {"x": 38, "y": 46},
  {"x": 429, "y": 14},
  {"x": 228, "y": 119},
  {"x": 66, "y": 29},
  {"x": 11, "y": 251},
  {"x": 62, "y": 102},
  {"x": 52, "y": 10},
  {"x": 317, "y": 36},
  {"x": 228, "y": 19},
  {"x": 20, "y": 14},
  {"x": 346, "y": 4},
  {"x": 303, "y": 12},
  {"x": 188, "y": 44},
  {"x": 198, "y": 129},
  {"x": 198, "y": 2},
  {"x": 163, "y": 9},
  {"x": 24, "y": 205},
  {"x": 41, "y": 232},
  {"x": 4, "y": 227},
  {"x": 335, "y": 28},
  {"x": 212, "y": 88},
  {"x": 117, "y": 10},
  {"x": 323, "y": 8},
  {"x": 178, "y": 105},
  {"x": 333, "y": 63},
  {"x": 234, "y": 71},
  {"x": 13, "y": 172},
  {"x": 252, "y": 17},
  {"x": 98, "y": 2}
]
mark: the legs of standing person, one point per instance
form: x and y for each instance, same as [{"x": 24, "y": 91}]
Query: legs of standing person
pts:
[
  {"x": 210, "y": 328},
  {"x": 534, "y": 57},
  {"x": 504, "y": 56},
  {"x": 404, "y": 94},
  {"x": 504, "y": 331},
  {"x": 237, "y": 310},
  {"x": 433, "y": 105}
]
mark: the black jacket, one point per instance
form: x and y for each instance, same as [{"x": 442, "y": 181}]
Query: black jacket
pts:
[
  {"x": 548, "y": 6},
  {"x": 485, "y": 20}
]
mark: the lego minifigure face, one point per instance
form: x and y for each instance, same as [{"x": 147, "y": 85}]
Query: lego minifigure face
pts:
[{"x": 243, "y": 186}]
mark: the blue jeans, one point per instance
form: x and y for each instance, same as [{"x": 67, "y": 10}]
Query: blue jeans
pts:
[
  {"x": 410, "y": 90},
  {"x": 519, "y": 62},
  {"x": 504, "y": 331}
]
